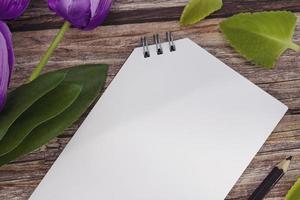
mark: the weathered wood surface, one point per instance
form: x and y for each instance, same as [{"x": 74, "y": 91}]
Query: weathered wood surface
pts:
[
  {"x": 113, "y": 43},
  {"x": 39, "y": 17}
]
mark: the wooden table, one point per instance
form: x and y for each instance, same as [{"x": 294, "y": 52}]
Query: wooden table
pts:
[{"x": 112, "y": 44}]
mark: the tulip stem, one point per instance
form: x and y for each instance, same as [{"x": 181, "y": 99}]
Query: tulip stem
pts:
[{"x": 44, "y": 60}]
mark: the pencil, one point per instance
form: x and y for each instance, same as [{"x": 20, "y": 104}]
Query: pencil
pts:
[{"x": 270, "y": 181}]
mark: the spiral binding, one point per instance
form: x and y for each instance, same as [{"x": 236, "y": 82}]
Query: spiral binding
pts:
[{"x": 159, "y": 49}]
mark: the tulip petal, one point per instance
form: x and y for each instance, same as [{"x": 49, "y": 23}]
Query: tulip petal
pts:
[
  {"x": 52, "y": 4},
  {"x": 4, "y": 72},
  {"x": 11, "y": 9},
  {"x": 6, "y": 61},
  {"x": 75, "y": 11},
  {"x": 83, "y": 14},
  {"x": 99, "y": 11},
  {"x": 4, "y": 64},
  {"x": 4, "y": 30}
]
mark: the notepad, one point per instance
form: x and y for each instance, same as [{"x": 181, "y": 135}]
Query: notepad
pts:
[{"x": 181, "y": 125}]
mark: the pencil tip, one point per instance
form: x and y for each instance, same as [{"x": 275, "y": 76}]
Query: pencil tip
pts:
[{"x": 289, "y": 158}]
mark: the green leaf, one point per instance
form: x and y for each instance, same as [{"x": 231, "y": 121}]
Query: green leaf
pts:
[
  {"x": 47, "y": 107},
  {"x": 261, "y": 37},
  {"x": 92, "y": 78},
  {"x": 24, "y": 96},
  {"x": 294, "y": 192},
  {"x": 197, "y": 10}
]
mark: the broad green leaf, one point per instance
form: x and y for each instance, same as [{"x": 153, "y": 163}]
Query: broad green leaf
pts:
[
  {"x": 261, "y": 37},
  {"x": 47, "y": 107},
  {"x": 197, "y": 10},
  {"x": 24, "y": 96},
  {"x": 92, "y": 78},
  {"x": 294, "y": 192}
]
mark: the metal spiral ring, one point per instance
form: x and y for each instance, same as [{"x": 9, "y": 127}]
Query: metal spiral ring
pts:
[
  {"x": 159, "y": 49},
  {"x": 171, "y": 41},
  {"x": 146, "y": 51}
]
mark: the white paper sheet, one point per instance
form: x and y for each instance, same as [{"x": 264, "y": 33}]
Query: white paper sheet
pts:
[{"x": 177, "y": 126}]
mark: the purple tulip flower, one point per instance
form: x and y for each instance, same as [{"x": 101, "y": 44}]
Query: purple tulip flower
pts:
[
  {"x": 83, "y": 14},
  {"x": 11, "y": 9},
  {"x": 6, "y": 61}
]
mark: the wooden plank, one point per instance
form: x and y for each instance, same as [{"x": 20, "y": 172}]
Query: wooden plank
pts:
[
  {"x": 112, "y": 45},
  {"x": 39, "y": 17}
]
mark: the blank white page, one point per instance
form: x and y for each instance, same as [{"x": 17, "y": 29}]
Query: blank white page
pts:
[{"x": 177, "y": 126}]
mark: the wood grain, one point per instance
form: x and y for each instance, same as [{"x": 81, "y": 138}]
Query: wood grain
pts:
[
  {"x": 113, "y": 43},
  {"x": 39, "y": 17}
]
